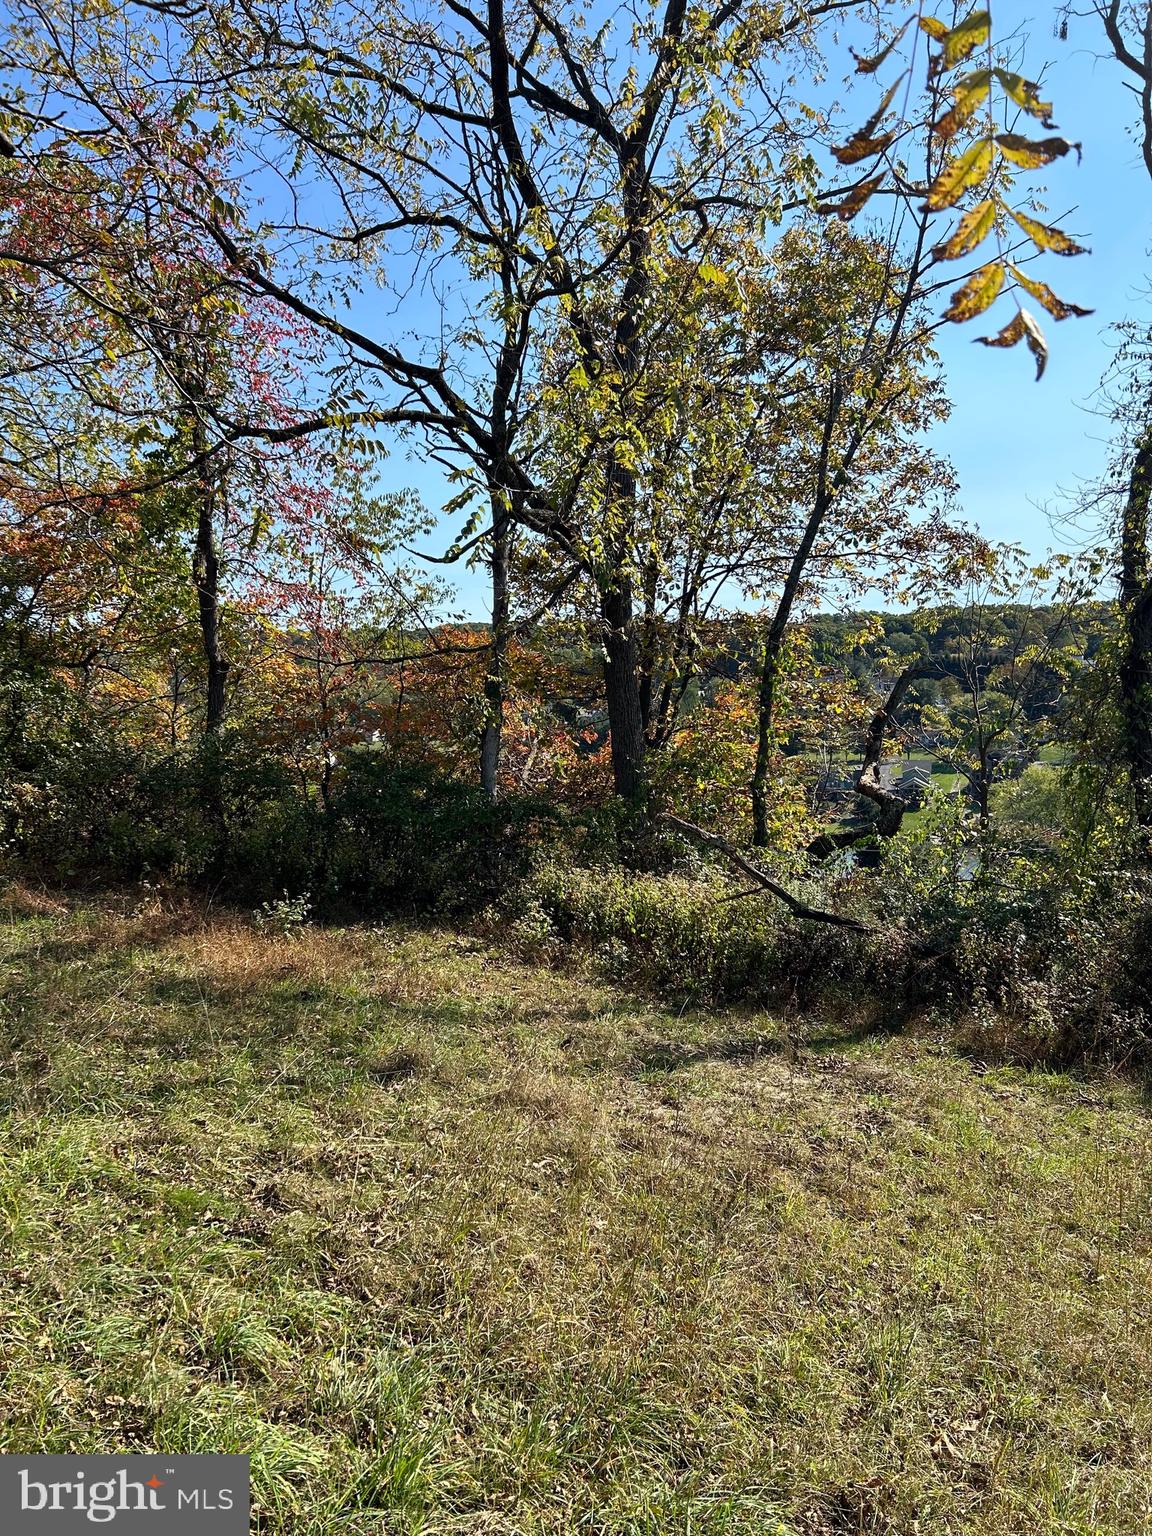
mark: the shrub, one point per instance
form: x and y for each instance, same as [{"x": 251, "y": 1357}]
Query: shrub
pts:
[
  {"x": 404, "y": 837},
  {"x": 87, "y": 805},
  {"x": 1054, "y": 969},
  {"x": 1057, "y": 972},
  {"x": 686, "y": 935},
  {"x": 284, "y": 917},
  {"x": 226, "y": 813}
]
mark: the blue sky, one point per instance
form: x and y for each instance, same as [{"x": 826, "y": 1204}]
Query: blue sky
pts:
[{"x": 1020, "y": 447}]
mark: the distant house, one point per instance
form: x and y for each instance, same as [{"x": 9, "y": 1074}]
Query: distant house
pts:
[
  {"x": 915, "y": 777},
  {"x": 914, "y": 784}
]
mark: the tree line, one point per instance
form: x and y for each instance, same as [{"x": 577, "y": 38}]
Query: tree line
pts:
[{"x": 661, "y": 312}]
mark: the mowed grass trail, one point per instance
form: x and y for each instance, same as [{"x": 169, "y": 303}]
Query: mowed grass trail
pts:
[{"x": 450, "y": 1244}]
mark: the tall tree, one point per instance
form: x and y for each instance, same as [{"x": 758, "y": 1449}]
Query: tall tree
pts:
[
  {"x": 868, "y": 342},
  {"x": 1128, "y": 29},
  {"x": 523, "y": 170}
]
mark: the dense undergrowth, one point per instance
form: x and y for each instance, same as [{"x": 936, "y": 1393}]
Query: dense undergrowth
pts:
[
  {"x": 1043, "y": 957},
  {"x": 1037, "y": 979}
]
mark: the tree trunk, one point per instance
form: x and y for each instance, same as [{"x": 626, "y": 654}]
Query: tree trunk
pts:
[
  {"x": 495, "y": 679},
  {"x": 622, "y": 688},
  {"x": 770, "y": 666},
  {"x": 982, "y": 788},
  {"x": 623, "y": 683},
  {"x": 765, "y": 724},
  {"x": 891, "y": 803},
  {"x": 1135, "y": 679},
  {"x": 647, "y": 650},
  {"x": 206, "y": 576}
]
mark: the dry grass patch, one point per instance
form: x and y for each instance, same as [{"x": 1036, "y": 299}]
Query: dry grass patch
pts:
[
  {"x": 18, "y": 900},
  {"x": 233, "y": 957}
]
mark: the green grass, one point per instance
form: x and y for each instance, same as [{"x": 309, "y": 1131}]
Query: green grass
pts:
[
  {"x": 450, "y": 1245},
  {"x": 944, "y": 783}
]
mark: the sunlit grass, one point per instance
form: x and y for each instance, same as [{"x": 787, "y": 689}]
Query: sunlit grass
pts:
[{"x": 449, "y": 1244}]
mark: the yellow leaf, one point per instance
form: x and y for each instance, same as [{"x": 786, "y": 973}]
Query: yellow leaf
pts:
[
  {"x": 1026, "y": 94},
  {"x": 934, "y": 28},
  {"x": 860, "y": 147},
  {"x": 870, "y": 66},
  {"x": 967, "y": 94},
  {"x": 965, "y": 171},
  {"x": 850, "y": 205},
  {"x": 865, "y": 141},
  {"x": 1008, "y": 335},
  {"x": 972, "y": 228},
  {"x": 957, "y": 44},
  {"x": 1031, "y": 153},
  {"x": 1047, "y": 237},
  {"x": 1022, "y": 326},
  {"x": 1055, "y": 306},
  {"x": 974, "y": 296}
]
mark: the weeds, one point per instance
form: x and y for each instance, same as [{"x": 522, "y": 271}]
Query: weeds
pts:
[{"x": 283, "y": 917}]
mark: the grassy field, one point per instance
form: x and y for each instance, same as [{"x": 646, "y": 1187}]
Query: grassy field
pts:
[{"x": 454, "y": 1245}]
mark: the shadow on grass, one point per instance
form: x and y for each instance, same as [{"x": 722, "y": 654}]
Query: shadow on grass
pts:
[
  {"x": 790, "y": 1042},
  {"x": 668, "y": 1056}
]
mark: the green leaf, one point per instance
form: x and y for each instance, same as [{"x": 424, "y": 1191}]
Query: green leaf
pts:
[
  {"x": 261, "y": 523},
  {"x": 966, "y": 170},
  {"x": 973, "y": 227},
  {"x": 974, "y": 296}
]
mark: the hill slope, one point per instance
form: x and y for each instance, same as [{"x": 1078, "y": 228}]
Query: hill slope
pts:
[{"x": 453, "y": 1245}]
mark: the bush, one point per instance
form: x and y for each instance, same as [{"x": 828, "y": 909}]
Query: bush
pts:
[
  {"x": 1060, "y": 975},
  {"x": 404, "y": 837},
  {"x": 85, "y": 806},
  {"x": 1045, "y": 956},
  {"x": 685, "y": 935},
  {"x": 285, "y": 917},
  {"x": 1054, "y": 969},
  {"x": 1033, "y": 956},
  {"x": 224, "y": 813}
]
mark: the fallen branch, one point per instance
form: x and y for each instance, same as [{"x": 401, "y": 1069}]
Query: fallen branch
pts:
[
  {"x": 869, "y": 781},
  {"x": 763, "y": 881}
]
